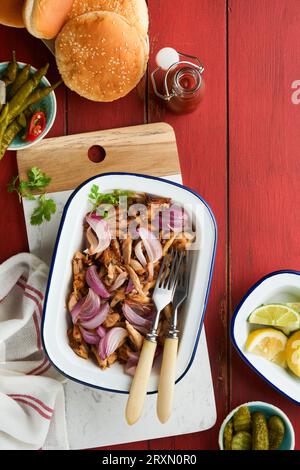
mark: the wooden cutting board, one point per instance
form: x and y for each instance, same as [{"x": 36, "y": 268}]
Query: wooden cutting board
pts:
[{"x": 149, "y": 149}]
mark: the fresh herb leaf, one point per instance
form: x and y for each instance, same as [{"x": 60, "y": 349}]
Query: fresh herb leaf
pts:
[
  {"x": 30, "y": 197},
  {"x": 11, "y": 187},
  {"x": 96, "y": 198},
  {"x": 43, "y": 211},
  {"x": 36, "y": 180}
]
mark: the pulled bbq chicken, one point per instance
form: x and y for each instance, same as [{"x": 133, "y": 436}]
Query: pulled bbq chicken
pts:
[{"x": 138, "y": 274}]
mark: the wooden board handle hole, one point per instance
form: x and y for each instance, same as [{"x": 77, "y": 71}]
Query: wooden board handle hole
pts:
[{"x": 96, "y": 154}]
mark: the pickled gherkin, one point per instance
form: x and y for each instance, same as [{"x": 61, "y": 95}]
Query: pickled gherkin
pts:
[
  {"x": 242, "y": 419},
  {"x": 276, "y": 432},
  {"x": 260, "y": 435},
  {"x": 227, "y": 436},
  {"x": 241, "y": 441}
]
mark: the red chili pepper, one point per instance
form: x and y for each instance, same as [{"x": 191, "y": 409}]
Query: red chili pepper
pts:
[{"x": 37, "y": 126}]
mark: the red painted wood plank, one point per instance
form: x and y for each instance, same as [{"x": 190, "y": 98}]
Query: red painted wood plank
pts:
[
  {"x": 199, "y": 28},
  {"x": 12, "y": 226},
  {"x": 85, "y": 115},
  {"x": 264, "y": 59}
]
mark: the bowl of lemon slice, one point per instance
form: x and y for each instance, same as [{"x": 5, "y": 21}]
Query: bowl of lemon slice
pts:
[{"x": 265, "y": 330}]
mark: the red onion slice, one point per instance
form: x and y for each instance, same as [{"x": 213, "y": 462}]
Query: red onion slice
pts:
[
  {"x": 178, "y": 218},
  {"x": 174, "y": 218},
  {"x": 152, "y": 244},
  {"x": 130, "y": 368},
  {"x": 119, "y": 281},
  {"x": 75, "y": 312},
  {"x": 111, "y": 341},
  {"x": 101, "y": 238},
  {"x": 132, "y": 362},
  {"x": 147, "y": 311},
  {"x": 130, "y": 286},
  {"x": 98, "y": 319},
  {"x": 101, "y": 331},
  {"x": 95, "y": 282},
  {"x": 139, "y": 254},
  {"x": 141, "y": 324},
  {"x": 89, "y": 337},
  {"x": 86, "y": 308}
]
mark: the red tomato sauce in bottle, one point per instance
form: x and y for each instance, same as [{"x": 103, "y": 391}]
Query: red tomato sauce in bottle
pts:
[{"x": 187, "y": 86}]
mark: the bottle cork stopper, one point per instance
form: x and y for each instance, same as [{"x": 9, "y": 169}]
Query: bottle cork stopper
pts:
[{"x": 166, "y": 57}]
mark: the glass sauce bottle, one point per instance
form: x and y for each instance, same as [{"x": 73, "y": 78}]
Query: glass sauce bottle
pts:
[{"x": 183, "y": 82}]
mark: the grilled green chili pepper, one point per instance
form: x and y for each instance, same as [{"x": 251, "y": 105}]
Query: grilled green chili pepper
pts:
[
  {"x": 276, "y": 432},
  {"x": 13, "y": 129},
  {"x": 4, "y": 121},
  {"x": 35, "y": 97},
  {"x": 16, "y": 105},
  {"x": 4, "y": 113},
  {"x": 40, "y": 93},
  {"x": 21, "y": 78},
  {"x": 11, "y": 71},
  {"x": 260, "y": 435}
]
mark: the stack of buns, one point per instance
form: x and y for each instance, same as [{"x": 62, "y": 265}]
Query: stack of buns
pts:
[
  {"x": 101, "y": 46},
  {"x": 134, "y": 11},
  {"x": 11, "y": 13},
  {"x": 45, "y": 18}
]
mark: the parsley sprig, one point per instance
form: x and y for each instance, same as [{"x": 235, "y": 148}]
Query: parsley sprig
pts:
[
  {"x": 96, "y": 198},
  {"x": 36, "y": 180},
  {"x": 43, "y": 211}
]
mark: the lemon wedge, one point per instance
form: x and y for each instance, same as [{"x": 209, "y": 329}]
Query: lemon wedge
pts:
[
  {"x": 282, "y": 316},
  {"x": 268, "y": 343},
  {"x": 294, "y": 305},
  {"x": 293, "y": 353}
]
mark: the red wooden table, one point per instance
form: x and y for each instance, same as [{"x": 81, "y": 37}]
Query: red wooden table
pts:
[{"x": 240, "y": 151}]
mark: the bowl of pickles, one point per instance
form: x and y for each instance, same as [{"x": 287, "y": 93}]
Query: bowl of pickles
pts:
[
  {"x": 27, "y": 105},
  {"x": 256, "y": 426}
]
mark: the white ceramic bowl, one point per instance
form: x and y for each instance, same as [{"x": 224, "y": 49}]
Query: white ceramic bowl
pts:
[
  {"x": 70, "y": 239},
  {"x": 268, "y": 410},
  {"x": 277, "y": 287}
]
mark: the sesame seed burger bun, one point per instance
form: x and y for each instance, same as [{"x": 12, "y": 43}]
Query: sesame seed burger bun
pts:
[
  {"x": 11, "y": 13},
  {"x": 101, "y": 56},
  {"x": 135, "y": 11},
  {"x": 45, "y": 18}
]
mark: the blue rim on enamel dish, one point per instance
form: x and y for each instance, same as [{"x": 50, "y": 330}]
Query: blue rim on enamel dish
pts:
[
  {"x": 235, "y": 314},
  {"x": 54, "y": 257}
]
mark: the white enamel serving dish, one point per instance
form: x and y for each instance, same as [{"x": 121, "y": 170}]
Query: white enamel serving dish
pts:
[
  {"x": 70, "y": 238},
  {"x": 277, "y": 287}
]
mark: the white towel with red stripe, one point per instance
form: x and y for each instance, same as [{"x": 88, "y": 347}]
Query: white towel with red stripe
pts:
[{"x": 32, "y": 407}]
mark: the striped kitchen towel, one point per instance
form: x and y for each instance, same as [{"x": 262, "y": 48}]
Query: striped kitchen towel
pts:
[{"x": 32, "y": 407}]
